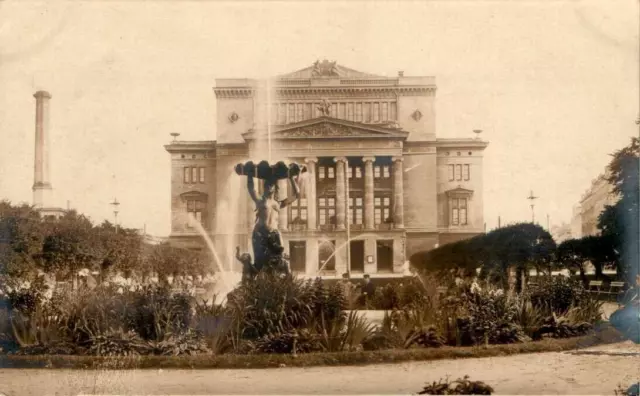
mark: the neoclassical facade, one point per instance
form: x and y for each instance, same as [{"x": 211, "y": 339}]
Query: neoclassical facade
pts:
[{"x": 380, "y": 186}]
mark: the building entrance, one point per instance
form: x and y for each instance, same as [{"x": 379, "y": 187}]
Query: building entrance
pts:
[
  {"x": 298, "y": 256},
  {"x": 356, "y": 251}
]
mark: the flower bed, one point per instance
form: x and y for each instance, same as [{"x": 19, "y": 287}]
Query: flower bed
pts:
[
  {"x": 234, "y": 361},
  {"x": 285, "y": 316}
]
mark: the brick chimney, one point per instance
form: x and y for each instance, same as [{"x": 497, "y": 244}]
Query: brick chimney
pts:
[{"x": 42, "y": 190}]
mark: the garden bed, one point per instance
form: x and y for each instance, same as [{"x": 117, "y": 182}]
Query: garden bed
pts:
[{"x": 605, "y": 335}]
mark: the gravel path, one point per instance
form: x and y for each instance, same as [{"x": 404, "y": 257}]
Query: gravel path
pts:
[{"x": 599, "y": 372}]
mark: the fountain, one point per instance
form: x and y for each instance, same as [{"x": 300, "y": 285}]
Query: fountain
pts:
[{"x": 268, "y": 250}]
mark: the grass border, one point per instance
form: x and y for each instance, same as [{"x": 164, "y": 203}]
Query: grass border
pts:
[{"x": 230, "y": 361}]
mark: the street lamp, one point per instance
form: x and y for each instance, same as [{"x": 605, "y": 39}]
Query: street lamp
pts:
[
  {"x": 115, "y": 205},
  {"x": 531, "y": 198}
]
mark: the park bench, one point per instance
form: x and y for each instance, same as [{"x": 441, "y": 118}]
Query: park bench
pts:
[
  {"x": 594, "y": 287},
  {"x": 615, "y": 288}
]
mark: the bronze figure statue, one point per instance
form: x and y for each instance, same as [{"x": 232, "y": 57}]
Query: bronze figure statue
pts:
[{"x": 268, "y": 249}]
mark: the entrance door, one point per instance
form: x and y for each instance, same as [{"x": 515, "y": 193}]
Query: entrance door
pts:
[
  {"x": 356, "y": 251},
  {"x": 384, "y": 251},
  {"x": 298, "y": 255}
]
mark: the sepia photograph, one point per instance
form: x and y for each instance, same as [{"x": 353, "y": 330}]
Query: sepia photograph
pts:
[{"x": 323, "y": 197}]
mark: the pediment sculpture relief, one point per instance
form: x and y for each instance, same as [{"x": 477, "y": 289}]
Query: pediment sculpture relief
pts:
[{"x": 321, "y": 130}]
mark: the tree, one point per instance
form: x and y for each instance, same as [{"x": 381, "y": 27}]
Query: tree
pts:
[
  {"x": 620, "y": 222},
  {"x": 573, "y": 254},
  {"x": 521, "y": 245},
  {"x": 21, "y": 235},
  {"x": 69, "y": 246}
]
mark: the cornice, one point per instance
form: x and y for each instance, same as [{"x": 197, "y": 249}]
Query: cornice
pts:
[
  {"x": 190, "y": 146},
  {"x": 234, "y": 92},
  {"x": 460, "y": 143},
  {"x": 341, "y": 91}
]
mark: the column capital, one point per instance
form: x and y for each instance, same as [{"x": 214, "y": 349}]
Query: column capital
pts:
[
  {"x": 397, "y": 158},
  {"x": 368, "y": 159},
  {"x": 340, "y": 159},
  {"x": 311, "y": 159}
]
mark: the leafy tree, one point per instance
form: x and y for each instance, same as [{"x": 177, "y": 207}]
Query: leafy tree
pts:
[
  {"x": 620, "y": 222},
  {"x": 69, "y": 246},
  {"x": 21, "y": 236},
  {"x": 521, "y": 245},
  {"x": 574, "y": 254}
]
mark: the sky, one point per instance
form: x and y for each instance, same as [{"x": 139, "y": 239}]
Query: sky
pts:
[{"x": 553, "y": 85}]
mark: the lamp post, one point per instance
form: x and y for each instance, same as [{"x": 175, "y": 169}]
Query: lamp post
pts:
[
  {"x": 532, "y": 198},
  {"x": 348, "y": 222},
  {"x": 115, "y": 205}
]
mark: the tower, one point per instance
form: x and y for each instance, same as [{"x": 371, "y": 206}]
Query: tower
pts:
[{"x": 42, "y": 189}]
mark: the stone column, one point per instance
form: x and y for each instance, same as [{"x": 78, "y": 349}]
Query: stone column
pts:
[
  {"x": 341, "y": 212},
  {"x": 398, "y": 193},
  {"x": 369, "y": 220},
  {"x": 283, "y": 215},
  {"x": 312, "y": 222}
]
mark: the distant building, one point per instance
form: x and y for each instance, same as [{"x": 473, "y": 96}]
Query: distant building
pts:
[
  {"x": 593, "y": 202},
  {"x": 576, "y": 222},
  {"x": 375, "y": 168},
  {"x": 561, "y": 233}
]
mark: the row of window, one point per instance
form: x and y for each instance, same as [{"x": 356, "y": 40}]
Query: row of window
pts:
[
  {"x": 327, "y": 257},
  {"x": 285, "y": 113},
  {"x": 379, "y": 171},
  {"x": 193, "y": 175},
  {"x": 327, "y": 210},
  {"x": 459, "y": 172}
]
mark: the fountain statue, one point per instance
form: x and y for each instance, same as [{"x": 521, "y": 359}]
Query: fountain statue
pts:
[{"x": 268, "y": 249}]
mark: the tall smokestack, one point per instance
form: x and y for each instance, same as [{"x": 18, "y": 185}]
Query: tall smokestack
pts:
[{"x": 42, "y": 189}]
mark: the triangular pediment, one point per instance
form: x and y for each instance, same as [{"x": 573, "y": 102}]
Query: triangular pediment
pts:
[
  {"x": 459, "y": 192},
  {"x": 329, "y": 128},
  {"x": 327, "y": 69}
]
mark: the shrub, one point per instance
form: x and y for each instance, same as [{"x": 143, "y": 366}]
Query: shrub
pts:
[
  {"x": 558, "y": 294},
  {"x": 118, "y": 343},
  {"x": 461, "y": 386},
  {"x": 303, "y": 341}
]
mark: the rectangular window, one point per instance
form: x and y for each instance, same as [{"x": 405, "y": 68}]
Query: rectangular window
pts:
[
  {"x": 326, "y": 210},
  {"x": 381, "y": 209},
  {"x": 194, "y": 175},
  {"x": 376, "y": 112},
  {"x": 355, "y": 210},
  {"x": 458, "y": 172},
  {"x": 298, "y": 211},
  {"x": 359, "y": 112},
  {"x": 386, "y": 172},
  {"x": 342, "y": 111},
  {"x": 376, "y": 172},
  {"x": 463, "y": 211},
  {"x": 367, "y": 112},
  {"x": 321, "y": 172},
  {"x": 385, "y": 111},
  {"x": 459, "y": 211},
  {"x": 465, "y": 172},
  {"x": 187, "y": 175},
  {"x": 331, "y": 172},
  {"x": 451, "y": 173},
  {"x": 358, "y": 172},
  {"x": 350, "y": 111},
  {"x": 393, "y": 113},
  {"x": 195, "y": 208},
  {"x": 201, "y": 170}
]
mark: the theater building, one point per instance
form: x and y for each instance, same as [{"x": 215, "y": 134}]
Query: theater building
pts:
[{"x": 380, "y": 185}]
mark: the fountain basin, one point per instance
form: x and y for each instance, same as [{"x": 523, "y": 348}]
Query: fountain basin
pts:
[{"x": 263, "y": 170}]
